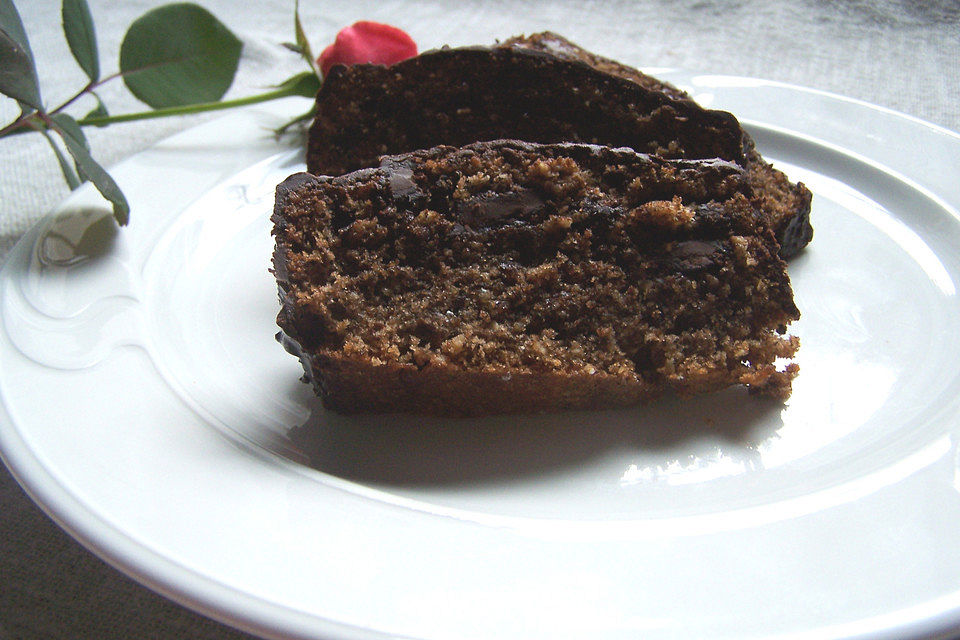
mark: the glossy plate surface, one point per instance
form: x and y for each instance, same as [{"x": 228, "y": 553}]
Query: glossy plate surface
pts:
[{"x": 148, "y": 409}]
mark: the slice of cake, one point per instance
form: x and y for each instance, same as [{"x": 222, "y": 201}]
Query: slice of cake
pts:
[
  {"x": 539, "y": 89},
  {"x": 515, "y": 277}
]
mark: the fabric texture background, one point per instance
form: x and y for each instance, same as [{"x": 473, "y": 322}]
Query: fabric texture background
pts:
[{"x": 899, "y": 54}]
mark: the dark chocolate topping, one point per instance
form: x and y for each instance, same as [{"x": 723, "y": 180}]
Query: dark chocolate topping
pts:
[
  {"x": 691, "y": 256},
  {"x": 489, "y": 208},
  {"x": 399, "y": 172}
]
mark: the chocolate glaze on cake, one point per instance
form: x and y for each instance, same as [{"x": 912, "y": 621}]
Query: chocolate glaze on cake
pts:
[
  {"x": 514, "y": 277},
  {"x": 557, "y": 45},
  {"x": 539, "y": 89}
]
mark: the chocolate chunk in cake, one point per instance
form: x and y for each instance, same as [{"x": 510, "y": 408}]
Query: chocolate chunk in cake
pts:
[
  {"x": 540, "y": 89},
  {"x": 515, "y": 277}
]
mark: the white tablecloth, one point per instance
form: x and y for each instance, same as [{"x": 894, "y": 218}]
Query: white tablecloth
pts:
[{"x": 898, "y": 54}]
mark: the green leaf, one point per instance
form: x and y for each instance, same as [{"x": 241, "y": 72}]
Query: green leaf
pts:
[
  {"x": 87, "y": 167},
  {"x": 81, "y": 36},
  {"x": 302, "y": 42},
  {"x": 99, "y": 111},
  {"x": 304, "y": 84},
  {"x": 292, "y": 47},
  {"x": 179, "y": 54},
  {"x": 66, "y": 124},
  {"x": 18, "y": 73},
  {"x": 68, "y": 173}
]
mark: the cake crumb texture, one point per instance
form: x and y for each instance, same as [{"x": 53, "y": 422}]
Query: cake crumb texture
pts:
[{"x": 515, "y": 277}]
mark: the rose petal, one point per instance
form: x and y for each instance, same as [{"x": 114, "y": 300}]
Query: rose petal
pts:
[{"x": 368, "y": 42}]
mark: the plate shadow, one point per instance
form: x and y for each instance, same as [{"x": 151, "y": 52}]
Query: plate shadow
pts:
[{"x": 424, "y": 451}]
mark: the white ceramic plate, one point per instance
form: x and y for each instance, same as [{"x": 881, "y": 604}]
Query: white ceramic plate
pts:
[{"x": 148, "y": 409}]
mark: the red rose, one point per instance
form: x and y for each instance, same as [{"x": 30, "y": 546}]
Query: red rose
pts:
[{"x": 368, "y": 42}]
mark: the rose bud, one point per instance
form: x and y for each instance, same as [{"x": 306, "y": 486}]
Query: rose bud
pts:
[{"x": 368, "y": 42}]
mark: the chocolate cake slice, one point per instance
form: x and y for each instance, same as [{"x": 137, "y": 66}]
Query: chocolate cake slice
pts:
[
  {"x": 507, "y": 276},
  {"x": 539, "y": 89}
]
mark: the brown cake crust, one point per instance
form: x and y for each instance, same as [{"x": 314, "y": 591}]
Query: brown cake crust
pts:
[
  {"x": 540, "y": 88},
  {"x": 513, "y": 277}
]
